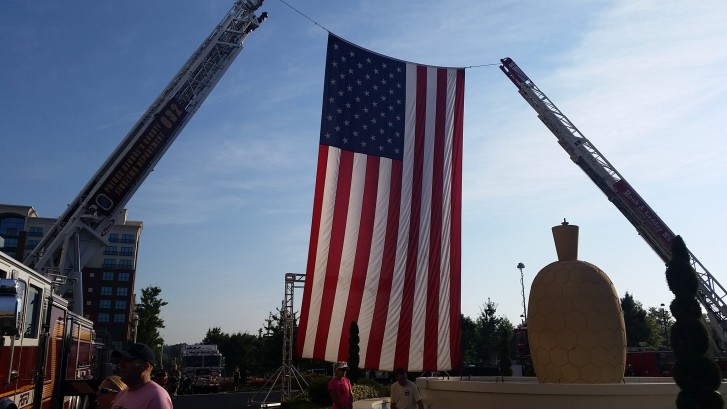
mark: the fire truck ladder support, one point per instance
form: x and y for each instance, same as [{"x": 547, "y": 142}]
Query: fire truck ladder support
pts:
[
  {"x": 287, "y": 372},
  {"x": 650, "y": 227}
]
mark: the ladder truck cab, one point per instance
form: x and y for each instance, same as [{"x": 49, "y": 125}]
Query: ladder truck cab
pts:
[
  {"x": 202, "y": 368},
  {"x": 48, "y": 357}
]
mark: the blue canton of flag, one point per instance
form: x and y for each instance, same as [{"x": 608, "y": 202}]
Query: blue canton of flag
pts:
[{"x": 363, "y": 101}]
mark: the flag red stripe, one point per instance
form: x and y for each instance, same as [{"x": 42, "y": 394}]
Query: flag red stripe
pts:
[
  {"x": 431, "y": 339},
  {"x": 383, "y": 294},
  {"x": 363, "y": 250},
  {"x": 338, "y": 231},
  {"x": 314, "y": 235},
  {"x": 456, "y": 234}
]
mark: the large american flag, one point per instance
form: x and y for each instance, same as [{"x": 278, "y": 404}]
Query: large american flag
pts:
[{"x": 385, "y": 237}]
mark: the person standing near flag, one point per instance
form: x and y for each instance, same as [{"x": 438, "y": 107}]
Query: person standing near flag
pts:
[
  {"x": 404, "y": 393},
  {"x": 340, "y": 388}
]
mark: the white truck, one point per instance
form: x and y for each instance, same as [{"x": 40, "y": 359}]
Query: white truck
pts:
[{"x": 202, "y": 368}]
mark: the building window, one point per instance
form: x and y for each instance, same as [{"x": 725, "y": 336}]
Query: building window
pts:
[
  {"x": 32, "y": 244},
  {"x": 119, "y": 317},
  {"x": 11, "y": 243},
  {"x": 103, "y": 317},
  {"x": 127, "y": 238},
  {"x": 109, "y": 263},
  {"x": 110, "y": 251},
  {"x": 125, "y": 264},
  {"x": 127, "y": 251},
  {"x": 122, "y": 291},
  {"x": 90, "y": 289},
  {"x": 120, "y": 304},
  {"x": 10, "y": 226},
  {"x": 104, "y": 304},
  {"x": 123, "y": 276},
  {"x": 106, "y": 291},
  {"x": 114, "y": 237},
  {"x": 108, "y": 275},
  {"x": 35, "y": 231},
  {"x": 88, "y": 302}
]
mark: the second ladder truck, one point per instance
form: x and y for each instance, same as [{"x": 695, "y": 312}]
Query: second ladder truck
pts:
[{"x": 647, "y": 223}]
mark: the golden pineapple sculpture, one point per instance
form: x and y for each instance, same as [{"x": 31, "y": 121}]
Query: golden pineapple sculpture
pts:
[{"x": 575, "y": 324}]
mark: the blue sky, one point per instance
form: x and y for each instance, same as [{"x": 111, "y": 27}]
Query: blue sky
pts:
[{"x": 227, "y": 211}]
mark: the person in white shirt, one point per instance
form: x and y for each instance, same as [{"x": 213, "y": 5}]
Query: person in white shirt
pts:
[{"x": 404, "y": 393}]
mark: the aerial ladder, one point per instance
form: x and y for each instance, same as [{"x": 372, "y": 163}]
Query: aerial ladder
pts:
[
  {"x": 83, "y": 228},
  {"x": 648, "y": 224}
]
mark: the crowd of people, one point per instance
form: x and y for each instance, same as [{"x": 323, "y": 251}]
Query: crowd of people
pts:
[
  {"x": 135, "y": 386},
  {"x": 404, "y": 393}
]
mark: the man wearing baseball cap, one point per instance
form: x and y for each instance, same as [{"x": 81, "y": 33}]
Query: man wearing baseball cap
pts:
[
  {"x": 135, "y": 364},
  {"x": 340, "y": 387}
]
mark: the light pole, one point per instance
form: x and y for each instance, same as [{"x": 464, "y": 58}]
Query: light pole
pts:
[{"x": 520, "y": 267}]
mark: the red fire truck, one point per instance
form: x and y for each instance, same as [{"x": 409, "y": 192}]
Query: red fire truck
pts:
[{"x": 47, "y": 353}]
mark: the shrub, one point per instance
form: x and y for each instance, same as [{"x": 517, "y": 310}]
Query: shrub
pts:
[
  {"x": 318, "y": 391},
  {"x": 369, "y": 389}
]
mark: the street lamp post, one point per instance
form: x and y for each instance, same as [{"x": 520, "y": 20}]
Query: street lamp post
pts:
[
  {"x": 520, "y": 267},
  {"x": 135, "y": 319}
]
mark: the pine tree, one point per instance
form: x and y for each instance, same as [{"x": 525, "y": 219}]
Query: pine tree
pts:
[{"x": 354, "y": 372}]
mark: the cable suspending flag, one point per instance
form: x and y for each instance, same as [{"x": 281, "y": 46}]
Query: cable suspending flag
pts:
[{"x": 385, "y": 237}]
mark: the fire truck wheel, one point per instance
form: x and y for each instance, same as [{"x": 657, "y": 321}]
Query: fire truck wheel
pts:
[{"x": 6, "y": 403}]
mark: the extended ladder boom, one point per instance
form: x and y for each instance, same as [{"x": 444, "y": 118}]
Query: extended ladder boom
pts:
[
  {"x": 647, "y": 223},
  {"x": 82, "y": 229}
]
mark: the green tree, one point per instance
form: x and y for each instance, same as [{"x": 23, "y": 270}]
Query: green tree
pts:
[
  {"x": 149, "y": 311},
  {"x": 695, "y": 373},
  {"x": 487, "y": 331},
  {"x": 662, "y": 325},
  {"x": 639, "y": 326},
  {"x": 504, "y": 363},
  {"x": 468, "y": 340}
]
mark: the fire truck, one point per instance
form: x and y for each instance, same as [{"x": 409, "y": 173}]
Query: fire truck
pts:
[
  {"x": 47, "y": 355},
  {"x": 711, "y": 294},
  {"x": 202, "y": 368}
]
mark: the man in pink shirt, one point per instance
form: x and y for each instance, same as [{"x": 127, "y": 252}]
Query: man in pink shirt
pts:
[
  {"x": 135, "y": 364},
  {"x": 340, "y": 388}
]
